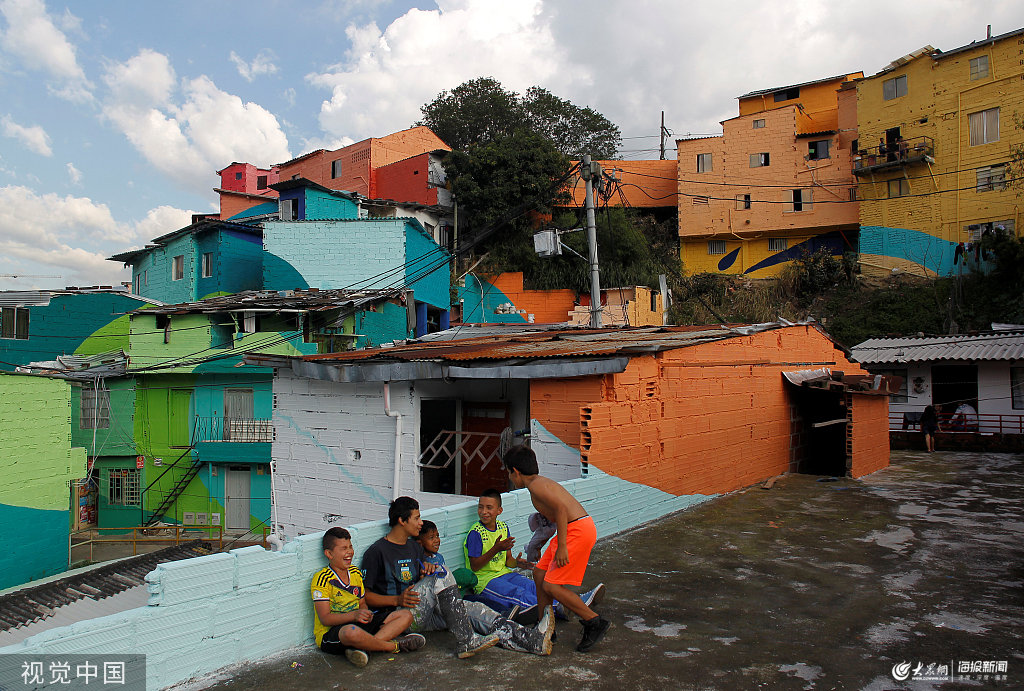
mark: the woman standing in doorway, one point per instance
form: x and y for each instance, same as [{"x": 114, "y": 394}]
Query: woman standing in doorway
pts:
[{"x": 929, "y": 425}]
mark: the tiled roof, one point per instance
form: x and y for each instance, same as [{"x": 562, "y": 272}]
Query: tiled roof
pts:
[{"x": 990, "y": 346}]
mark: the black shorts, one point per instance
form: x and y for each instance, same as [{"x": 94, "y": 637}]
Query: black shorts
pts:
[{"x": 331, "y": 642}]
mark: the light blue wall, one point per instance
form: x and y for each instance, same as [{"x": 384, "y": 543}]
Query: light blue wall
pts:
[
  {"x": 258, "y": 210},
  {"x": 321, "y": 205},
  {"x": 222, "y": 609},
  {"x": 363, "y": 253},
  {"x": 935, "y": 254},
  {"x": 387, "y": 324},
  {"x": 480, "y": 299}
]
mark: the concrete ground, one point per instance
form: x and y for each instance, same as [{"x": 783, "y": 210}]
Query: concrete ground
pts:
[{"x": 808, "y": 585}]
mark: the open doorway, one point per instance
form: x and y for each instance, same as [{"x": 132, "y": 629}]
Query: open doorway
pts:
[
  {"x": 437, "y": 418},
  {"x": 953, "y": 385},
  {"x": 818, "y": 433}
]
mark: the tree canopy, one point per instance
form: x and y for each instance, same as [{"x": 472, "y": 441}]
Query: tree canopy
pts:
[{"x": 481, "y": 110}]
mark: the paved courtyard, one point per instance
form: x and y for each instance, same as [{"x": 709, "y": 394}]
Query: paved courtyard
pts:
[{"x": 807, "y": 585}]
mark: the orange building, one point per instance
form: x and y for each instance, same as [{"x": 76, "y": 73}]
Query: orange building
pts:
[
  {"x": 776, "y": 184},
  {"x": 404, "y": 166},
  {"x": 643, "y": 184}
]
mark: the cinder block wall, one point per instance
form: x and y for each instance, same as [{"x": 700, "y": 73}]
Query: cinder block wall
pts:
[
  {"x": 868, "y": 434},
  {"x": 222, "y": 609}
]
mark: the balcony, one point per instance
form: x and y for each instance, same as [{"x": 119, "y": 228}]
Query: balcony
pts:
[
  {"x": 899, "y": 154},
  {"x": 234, "y": 440}
]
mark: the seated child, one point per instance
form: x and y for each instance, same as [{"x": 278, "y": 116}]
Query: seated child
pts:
[
  {"x": 342, "y": 624},
  {"x": 488, "y": 553},
  {"x": 485, "y": 620}
]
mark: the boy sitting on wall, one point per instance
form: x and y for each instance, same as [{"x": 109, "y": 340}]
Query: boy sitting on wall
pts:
[
  {"x": 488, "y": 551},
  {"x": 342, "y": 624}
]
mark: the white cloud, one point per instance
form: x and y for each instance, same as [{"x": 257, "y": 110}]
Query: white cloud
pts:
[
  {"x": 387, "y": 75},
  {"x": 32, "y": 36},
  {"x": 74, "y": 173},
  {"x": 262, "y": 64},
  {"x": 33, "y": 137},
  {"x": 66, "y": 233},
  {"x": 188, "y": 135}
]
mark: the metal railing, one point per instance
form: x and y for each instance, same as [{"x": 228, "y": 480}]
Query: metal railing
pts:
[
  {"x": 466, "y": 446},
  {"x": 157, "y": 534},
  {"x": 988, "y": 423},
  {"x": 248, "y": 430},
  {"x": 900, "y": 152}
]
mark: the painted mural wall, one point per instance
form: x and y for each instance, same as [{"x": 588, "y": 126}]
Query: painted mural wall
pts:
[{"x": 38, "y": 463}]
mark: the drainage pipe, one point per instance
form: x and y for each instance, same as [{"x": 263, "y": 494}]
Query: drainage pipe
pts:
[{"x": 398, "y": 440}]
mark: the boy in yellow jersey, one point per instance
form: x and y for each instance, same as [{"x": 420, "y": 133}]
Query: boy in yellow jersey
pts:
[
  {"x": 488, "y": 552},
  {"x": 342, "y": 624}
]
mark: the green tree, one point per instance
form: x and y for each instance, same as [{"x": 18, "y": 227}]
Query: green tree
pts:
[{"x": 481, "y": 110}]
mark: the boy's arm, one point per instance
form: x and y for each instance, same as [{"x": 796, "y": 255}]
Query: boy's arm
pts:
[
  {"x": 548, "y": 497},
  {"x": 480, "y": 561},
  {"x": 329, "y": 618}
]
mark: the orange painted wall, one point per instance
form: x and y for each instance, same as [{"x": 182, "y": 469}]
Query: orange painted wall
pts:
[
  {"x": 706, "y": 419},
  {"x": 401, "y": 145},
  {"x": 547, "y": 306},
  {"x": 405, "y": 180},
  {"x": 231, "y": 204},
  {"x": 818, "y": 102},
  {"x": 645, "y": 184},
  {"x": 870, "y": 438}
]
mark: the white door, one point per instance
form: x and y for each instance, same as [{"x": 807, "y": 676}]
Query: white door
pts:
[{"x": 236, "y": 499}]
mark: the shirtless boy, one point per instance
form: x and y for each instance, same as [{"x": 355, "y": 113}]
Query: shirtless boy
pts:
[{"x": 564, "y": 562}]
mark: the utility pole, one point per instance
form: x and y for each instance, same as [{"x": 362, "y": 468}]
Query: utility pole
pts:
[
  {"x": 662, "y": 135},
  {"x": 589, "y": 171}
]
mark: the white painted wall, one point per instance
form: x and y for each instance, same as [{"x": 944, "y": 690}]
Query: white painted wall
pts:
[{"x": 334, "y": 448}]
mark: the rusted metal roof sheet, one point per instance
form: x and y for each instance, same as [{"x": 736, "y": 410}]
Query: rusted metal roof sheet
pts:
[
  {"x": 274, "y": 300},
  {"x": 990, "y": 346},
  {"x": 564, "y": 343}
]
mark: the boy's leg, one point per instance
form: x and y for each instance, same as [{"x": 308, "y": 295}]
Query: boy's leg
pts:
[
  {"x": 507, "y": 590},
  {"x": 511, "y": 635},
  {"x": 458, "y": 621},
  {"x": 573, "y": 602},
  {"x": 394, "y": 625}
]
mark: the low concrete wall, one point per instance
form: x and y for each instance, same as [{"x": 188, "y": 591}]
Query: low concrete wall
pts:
[{"x": 213, "y": 611}]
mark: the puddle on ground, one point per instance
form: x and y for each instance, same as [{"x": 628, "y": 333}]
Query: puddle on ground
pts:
[
  {"x": 806, "y": 672},
  {"x": 664, "y": 630},
  {"x": 895, "y": 539}
]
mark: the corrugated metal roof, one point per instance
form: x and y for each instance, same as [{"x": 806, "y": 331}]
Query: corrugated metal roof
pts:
[
  {"x": 41, "y": 298},
  {"x": 990, "y": 346},
  {"x": 761, "y": 92},
  {"x": 562, "y": 343},
  {"x": 282, "y": 300},
  {"x": 110, "y": 364}
]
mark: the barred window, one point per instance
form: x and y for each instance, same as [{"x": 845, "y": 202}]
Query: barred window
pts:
[
  {"x": 716, "y": 246},
  {"x": 991, "y": 178},
  {"x": 123, "y": 489},
  {"x": 94, "y": 408},
  {"x": 777, "y": 244}
]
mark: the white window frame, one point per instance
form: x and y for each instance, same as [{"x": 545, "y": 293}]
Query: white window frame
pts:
[
  {"x": 123, "y": 486},
  {"x": 178, "y": 267},
  {"x": 804, "y": 203},
  {"x": 94, "y": 407},
  {"x": 894, "y": 88},
  {"x": 983, "y": 126},
  {"x": 716, "y": 247},
  {"x": 207, "y": 270},
  {"x": 979, "y": 67},
  {"x": 704, "y": 163},
  {"x": 288, "y": 210},
  {"x": 778, "y": 244}
]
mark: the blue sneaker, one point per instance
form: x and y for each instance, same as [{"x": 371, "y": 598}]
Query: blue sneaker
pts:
[{"x": 593, "y": 597}]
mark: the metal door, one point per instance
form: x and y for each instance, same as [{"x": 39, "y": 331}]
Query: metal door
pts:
[{"x": 236, "y": 499}]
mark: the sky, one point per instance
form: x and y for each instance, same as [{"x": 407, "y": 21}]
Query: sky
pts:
[{"x": 116, "y": 115}]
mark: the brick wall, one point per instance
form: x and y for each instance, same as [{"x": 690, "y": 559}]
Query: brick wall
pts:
[{"x": 868, "y": 434}]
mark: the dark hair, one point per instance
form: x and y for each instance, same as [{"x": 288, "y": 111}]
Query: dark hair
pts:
[
  {"x": 492, "y": 494},
  {"x": 401, "y": 508},
  {"x": 333, "y": 535},
  {"x": 521, "y": 458},
  {"x": 428, "y": 528}
]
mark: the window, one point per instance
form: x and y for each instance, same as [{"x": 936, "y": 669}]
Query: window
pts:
[
  {"x": 894, "y": 88},
  {"x": 801, "y": 201},
  {"x": 95, "y": 408},
  {"x": 1017, "y": 387},
  {"x": 178, "y": 268},
  {"x": 123, "y": 489},
  {"x": 900, "y": 397},
  {"x": 976, "y": 231},
  {"x": 900, "y": 187},
  {"x": 288, "y": 210},
  {"x": 336, "y": 169},
  {"x": 758, "y": 124},
  {"x": 758, "y": 160},
  {"x": 137, "y": 285},
  {"x": 979, "y": 67},
  {"x": 261, "y": 182},
  {"x": 238, "y": 175},
  {"x": 703, "y": 163},
  {"x": 777, "y": 244},
  {"x": 818, "y": 149},
  {"x": 742, "y": 202},
  {"x": 145, "y": 277},
  {"x": 207, "y": 264},
  {"x": 787, "y": 94},
  {"x": 853, "y": 145},
  {"x": 984, "y": 126},
  {"x": 716, "y": 246},
  {"x": 991, "y": 178},
  {"x": 698, "y": 200},
  {"x": 853, "y": 194},
  {"x": 15, "y": 323}
]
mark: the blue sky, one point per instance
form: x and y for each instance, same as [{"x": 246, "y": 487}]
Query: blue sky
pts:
[{"x": 115, "y": 115}]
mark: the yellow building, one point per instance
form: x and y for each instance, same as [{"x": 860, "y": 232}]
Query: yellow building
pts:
[
  {"x": 777, "y": 184},
  {"x": 936, "y": 130}
]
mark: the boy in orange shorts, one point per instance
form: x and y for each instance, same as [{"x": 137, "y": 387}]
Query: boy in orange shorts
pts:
[{"x": 565, "y": 560}]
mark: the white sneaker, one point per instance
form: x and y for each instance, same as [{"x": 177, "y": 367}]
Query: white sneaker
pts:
[{"x": 357, "y": 657}]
